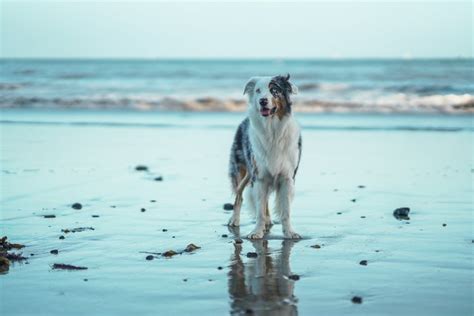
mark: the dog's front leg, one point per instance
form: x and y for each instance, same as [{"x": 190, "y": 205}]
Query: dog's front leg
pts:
[
  {"x": 284, "y": 195},
  {"x": 260, "y": 192}
]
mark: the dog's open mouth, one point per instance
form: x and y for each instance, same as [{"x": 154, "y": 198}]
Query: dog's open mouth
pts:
[{"x": 267, "y": 111}]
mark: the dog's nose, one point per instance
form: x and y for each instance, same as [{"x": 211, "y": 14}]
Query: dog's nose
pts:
[{"x": 263, "y": 101}]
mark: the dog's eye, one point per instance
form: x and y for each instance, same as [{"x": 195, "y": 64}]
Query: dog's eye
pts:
[
  {"x": 273, "y": 91},
  {"x": 258, "y": 90}
]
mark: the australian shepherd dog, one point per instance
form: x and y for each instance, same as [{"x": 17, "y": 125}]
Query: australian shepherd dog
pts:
[{"x": 266, "y": 154}]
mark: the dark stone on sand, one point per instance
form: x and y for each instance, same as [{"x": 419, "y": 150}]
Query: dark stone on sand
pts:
[
  {"x": 76, "y": 206},
  {"x": 85, "y": 280},
  {"x": 191, "y": 247},
  {"x": 357, "y": 300},
  {"x": 444, "y": 225},
  {"x": 150, "y": 257},
  {"x": 164, "y": 230},
  {"x": 76, "y": 230},
  {"x": 160, "y": 178},
  {"x": 185, "y": 280},
  {"x": 141, "y": 168},
  {"x": 339, "y": 213},
  {"x": 353, "y": 200},
  {"x": 361, "y": 186},
  {"x": 49, "y": 216},
  {"x": 252, "y": 255},
  {"x": 62, "y": 266},
  {"x": 219, "y": 268},
  {"x": 224, "y": 235},
  {"x": 363, "y": 263},
  {"x": 238, "y": 241},
  {"x": 169, "y": 253},
  {"x": 401, "y": 213},
  {"x": 362, "y": 216},
  {"x": 61, "y": 237},
  {"x": 228, "y": 206},
  {"x": 142, "y": 209},
  {"x": 54, "y": 252},
  {"x": 316, "y": 246},
  {"x": 152, "y": 201},
  {"x": 95, "y": 216},
  {"x": 294, "y": 277}
]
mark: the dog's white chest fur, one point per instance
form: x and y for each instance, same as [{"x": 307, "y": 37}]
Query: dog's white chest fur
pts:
[{"x": 275, "y": 146}]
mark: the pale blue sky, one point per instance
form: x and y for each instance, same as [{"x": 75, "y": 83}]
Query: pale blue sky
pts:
[{"x": 156, "y": 29}]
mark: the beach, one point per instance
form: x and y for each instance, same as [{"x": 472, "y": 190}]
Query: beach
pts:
[{"x": 355, "y": 257}]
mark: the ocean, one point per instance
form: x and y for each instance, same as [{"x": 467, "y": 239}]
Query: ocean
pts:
[{"x": 395, "y": 85}]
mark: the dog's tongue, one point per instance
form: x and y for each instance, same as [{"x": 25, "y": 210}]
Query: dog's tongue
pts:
[{"x": 265, "y": 111}]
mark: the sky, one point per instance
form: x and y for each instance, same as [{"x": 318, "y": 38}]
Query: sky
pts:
[{"x": 158, "y": 29}]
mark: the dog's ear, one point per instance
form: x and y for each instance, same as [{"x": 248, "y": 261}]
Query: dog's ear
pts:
[
  {"x": 294, "y": 89},
  {"x": 250, "y": 85}
]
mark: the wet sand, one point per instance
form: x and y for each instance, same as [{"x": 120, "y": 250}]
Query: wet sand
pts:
[{"x": 355, "y": 171}]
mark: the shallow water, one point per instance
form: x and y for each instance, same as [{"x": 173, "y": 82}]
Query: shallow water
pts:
[{"x": 50, "y": 160}]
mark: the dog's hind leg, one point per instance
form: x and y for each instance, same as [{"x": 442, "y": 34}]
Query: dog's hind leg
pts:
[{"x": 235, "y": 219}]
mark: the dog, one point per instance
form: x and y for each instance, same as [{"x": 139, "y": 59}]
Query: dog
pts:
[{"x": 266, "y": 153}]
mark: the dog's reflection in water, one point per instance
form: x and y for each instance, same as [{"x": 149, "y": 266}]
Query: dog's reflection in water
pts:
[{"x": 261, "y": 286}]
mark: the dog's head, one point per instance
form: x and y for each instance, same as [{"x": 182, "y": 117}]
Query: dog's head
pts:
[{"x": 270, "y": 96}]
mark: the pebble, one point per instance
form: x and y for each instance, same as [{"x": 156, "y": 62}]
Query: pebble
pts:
[
  {"x": 49, "y": 216},
  {"x": 363, "y": 263},
  {"x": 76, "y": 206},
  {"x": 219, "y": 268},
  {"x": 444, "y": 225},
  {"x": 150, "y": 257},
  {"x": 141, "y": 168},
  {"x": 228, "y": 206},
  {"x": 54, "y": 251},
  {"x": 357, "y": 300},
  {"x": 224, "y": 236},
  {"x": 61, "y": 237},
  {"x": 95, "y": 216},
  {"x": 316, "y": 246},
  {"x": 353, "y": 200},
  {"x": 143, "y": 210},
  {"x": 252, "y": 255},
  {"x": 160, "y": 178},
  {"x": 294, "y": 277},
  {"x": 164, "y": 230}
]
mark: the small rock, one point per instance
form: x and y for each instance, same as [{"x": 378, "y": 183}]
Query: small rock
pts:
[
  {"x": 401, "y": 213},
  {"x": 316, "y": 246},
  {"x": 224, "y": 235},
  {"x": 164, "y": 230},
  {"x": 362, "y": 216},
  {"x": 143, "y": 210},
  {"x": 363, "y": 263},
  {"x": 361, "y": 186},
  {"x": 252, "y": 255},
  {"x": 357, "y": 300},
  {"x": 95, "y": 216},
  {"x": 152, "y": 201},
  {"x": 61, "y": 237},
  {"x": 219, "y": 268},
  {"x": 76, "y": 206},
  {"x": 54, "y": 251},
  {"x": 149, "y": 257},
  {"x": 228, "y": 206},
  {"x": 294, "y": 277},
  {"x": 185, "y": 280},
  {"x": 49, "y": 216},
  {"x": 191, "y": 247},
  {"x": 62, "y": 266},
  {"x": 444, "y": 225},
  {"x": 169, "y": 253},
  {"x": 85, "y": 280},
  {"x": 160, "y": 178},
  {"x": 141, "y": 168},
  {"x": 353, "y": 200},
  {"x": 339, "y": 213}
]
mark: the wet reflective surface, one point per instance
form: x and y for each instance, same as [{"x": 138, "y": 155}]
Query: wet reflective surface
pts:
[{"x": 415, "y": 266}]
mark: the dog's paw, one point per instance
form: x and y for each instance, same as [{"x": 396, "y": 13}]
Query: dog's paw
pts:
[
  {"x": 233, "y": 222},
  {"x": 268, "y": 225},
  {"x": 256, "y": 234},
  {"x": 291, "y": 235}
]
